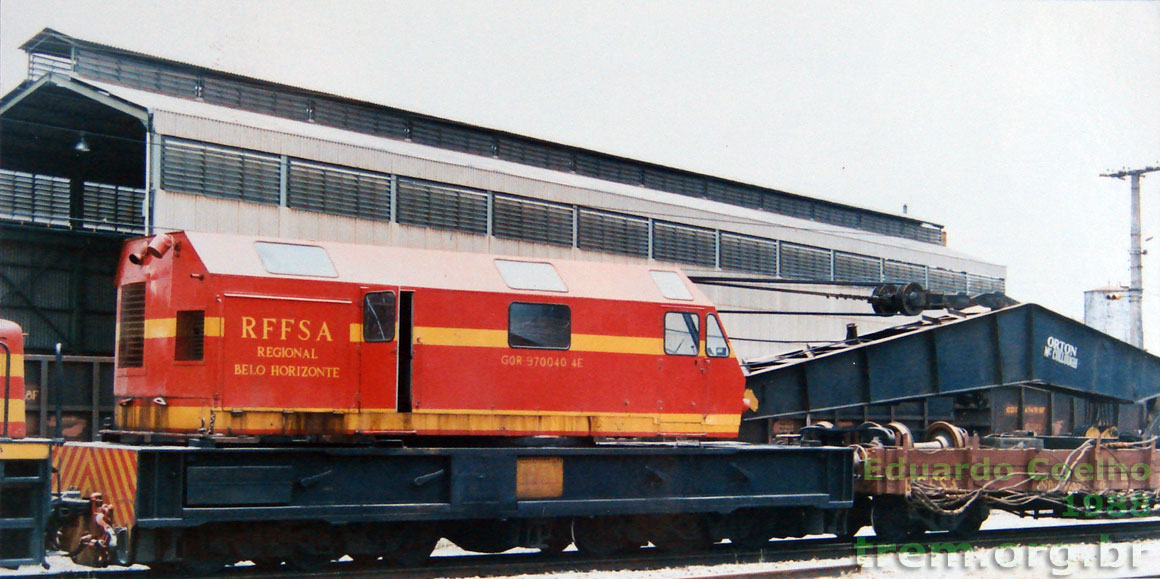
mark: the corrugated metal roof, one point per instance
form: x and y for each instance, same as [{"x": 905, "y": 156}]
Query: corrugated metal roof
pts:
[
  {"x": 176, "y": 113},
  {"x": 57, "y": 44}
]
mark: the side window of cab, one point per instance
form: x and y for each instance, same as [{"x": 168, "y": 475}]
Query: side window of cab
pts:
[
  {"x": 716, "y": 346},
  {"x": 682, "y": 333},
  {"x": 379, "y": 317},
  {"x": 539, "y": 326}
]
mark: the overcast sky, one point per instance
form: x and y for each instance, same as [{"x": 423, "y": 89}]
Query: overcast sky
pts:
[{"x": 993, "y": 119}]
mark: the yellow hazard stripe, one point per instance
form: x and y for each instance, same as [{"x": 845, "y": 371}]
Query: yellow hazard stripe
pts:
[
  {"x": 17, "y": 368},
  {"x": 189, "y": 418},
  {"x": 15, "y": 407},
  {"x": 499, "y": 339},
  {"x": 161, "y": 328},
  {"x": 215, "y": 327},
  {"x": 109, "y": 471},
  {"x": 167, "y": 327},
  {"x": 432, "y": 336},
  {"x": 461, "y": 337}
]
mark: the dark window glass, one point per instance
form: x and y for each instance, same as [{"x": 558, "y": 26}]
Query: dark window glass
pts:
[
  {"x": 547, "y": 326},
  {"x": 379, "y": 317},
  {"x": 190, "y": 342},
  {"x": 715, "y": 343},
  {"x": 682, "y": 333}
]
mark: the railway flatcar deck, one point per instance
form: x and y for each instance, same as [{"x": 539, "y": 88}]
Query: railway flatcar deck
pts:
[{"x": 183, "y": 504}]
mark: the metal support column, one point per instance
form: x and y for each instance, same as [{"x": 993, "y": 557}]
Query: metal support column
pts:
[{"x": 1136, "y": 289}]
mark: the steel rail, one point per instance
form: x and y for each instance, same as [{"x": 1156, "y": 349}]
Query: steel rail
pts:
[{"x": 821, "y": 549}]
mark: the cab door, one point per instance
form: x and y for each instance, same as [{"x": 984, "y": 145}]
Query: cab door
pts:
[
  {"x": 378, "y": 349},
  {"x": 724, "y": 379},
  {"x": 686, "y": 383}
]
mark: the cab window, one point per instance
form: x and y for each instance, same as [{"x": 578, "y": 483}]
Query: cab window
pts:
[
  {"x": 189, "y": 345},
  {"x": 682, "y": 333},
  {"x": 715, "y": 344},
  {"x": 545, "y": 326},
  {"x": 379, "y": 317}
]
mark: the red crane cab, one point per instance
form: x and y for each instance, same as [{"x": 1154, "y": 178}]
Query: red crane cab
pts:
[{"x": 243, "y": 336}]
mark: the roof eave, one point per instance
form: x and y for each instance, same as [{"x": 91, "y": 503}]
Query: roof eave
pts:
[{"x": 83, "y": 89}]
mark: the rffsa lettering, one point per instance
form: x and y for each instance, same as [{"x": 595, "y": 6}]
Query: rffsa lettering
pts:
[{"x": 285, "y": 328}]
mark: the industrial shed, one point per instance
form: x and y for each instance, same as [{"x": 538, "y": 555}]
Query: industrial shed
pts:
[{"x": 100, "y": 144}]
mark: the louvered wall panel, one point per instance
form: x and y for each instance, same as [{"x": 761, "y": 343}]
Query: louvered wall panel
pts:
[
  {"x": 39, "y": 198},
  {"x": 885, "y": 226},
  {"x": 981, "y": 284},
  {"x": 751, "y": 254},
  {"x": 734, "y": 194},
  {"x": 672, "y": 242},
  {"x": 360, "y": 118},
  {"x": 533, "y": 153},
  {"x": 942, "y": 280},
  {"x": 609, "y": 169},
  {"x": 251, "y": 97},
  {"x": 220, "y": 172},
  {"x": 804, "y": 262},
  {"x": 836, "y": 215},
  {"x": 901, "y": 272},
  {"x": 137, "y": 72},
  {"x": 114, "y": 208},
  {"x": 454, "y": 137},
  {"x": 527, "y": 220},
  {"x": 613, "y": 233},
  {"x": 329, "y": 189},
  {"x": 673, "y": 182},
  {"x": 442, "y": 207},
  {"x": 854, "y": 267},
  {"x": 787, "y": 205},
  {"x": 42, "y": 64},
  {"x": 131, "y": 344}
]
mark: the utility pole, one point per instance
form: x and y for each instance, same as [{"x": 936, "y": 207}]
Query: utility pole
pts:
[{"x": 1136, "y": 289}]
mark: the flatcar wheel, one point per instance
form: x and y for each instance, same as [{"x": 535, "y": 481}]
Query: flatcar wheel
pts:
[
  {"x": 206, "y": 551},
  {"x": 972, "y": 519},
  {"x": 199, "y": 566},
  {"x": 603, "y": 536},
  {"x": 559, "y": 540},
  {"x": 364, "y": 559},
  {"x": 890, "y": 517},
  {"x": 308, "y": 559},
  {"x": 752, "y": 537},
  {"x": 678, "y": 533},
  {"x": 266, "y": 563},
  {"x": 415, "y": 546},
  {"x": 858, "y": 517}
]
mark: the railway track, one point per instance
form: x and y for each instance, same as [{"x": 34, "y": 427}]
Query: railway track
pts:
[{"x": 841, "y": 556}]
